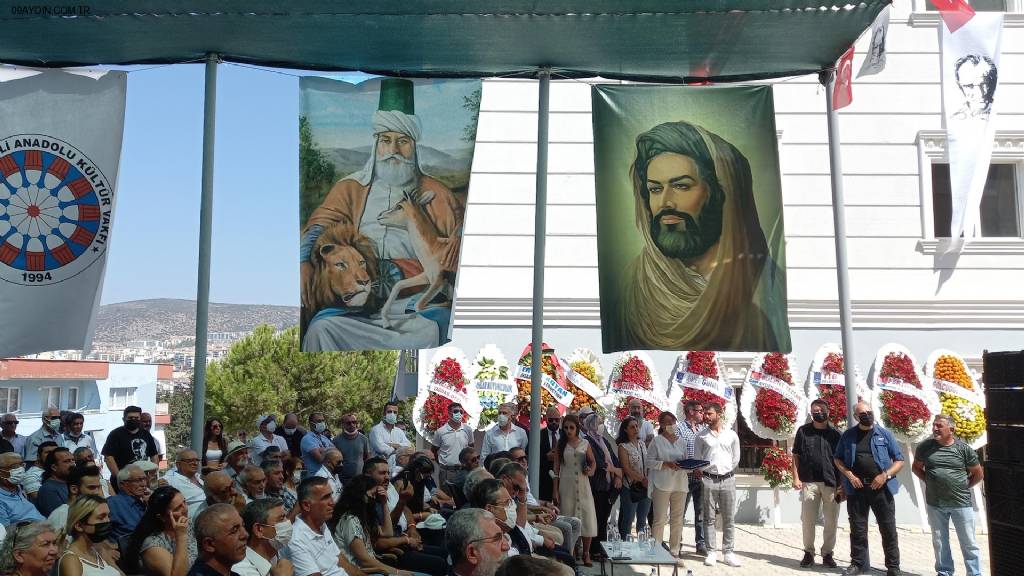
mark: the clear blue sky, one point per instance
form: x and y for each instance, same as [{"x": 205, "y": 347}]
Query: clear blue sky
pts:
[{"x": 154, "y": 251}]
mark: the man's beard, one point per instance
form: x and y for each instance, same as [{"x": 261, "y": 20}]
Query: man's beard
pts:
[
  {"x": 693, "y": 236},
  {"x": 401, "y": 172},
  {"x": 490, "y": 565}
]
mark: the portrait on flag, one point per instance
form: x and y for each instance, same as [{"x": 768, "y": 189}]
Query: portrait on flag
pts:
[
  {"x": 384, "y": 176},
  {"x": 689, "y": 219},
  {"x": 60, "y": 148}
]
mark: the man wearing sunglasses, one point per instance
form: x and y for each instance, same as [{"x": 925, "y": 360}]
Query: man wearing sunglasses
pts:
[{"x": 9, "y": 428}]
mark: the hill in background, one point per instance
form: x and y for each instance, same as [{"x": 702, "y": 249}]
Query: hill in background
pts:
[{"x": 166, "y": 318}]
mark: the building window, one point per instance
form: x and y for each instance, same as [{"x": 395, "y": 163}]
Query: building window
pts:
[
  {"x": 981, "y": 5},
  {"x": 50, "y": 395},
  {"x": 1000, "y": 203},
  {"x": 752, "y": 446},
  {"x": 10, "y": 399},
  {"x": 121, "y": 398},
  {"x": 73, "y": 398}
]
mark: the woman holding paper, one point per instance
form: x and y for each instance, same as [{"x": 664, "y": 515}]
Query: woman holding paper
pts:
[{"x": 668, "y": 482}]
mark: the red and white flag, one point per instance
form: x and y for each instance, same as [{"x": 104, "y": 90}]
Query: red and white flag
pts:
[
  {"x": 842, "y": 90},
  {"x": 955, "y": 13}
]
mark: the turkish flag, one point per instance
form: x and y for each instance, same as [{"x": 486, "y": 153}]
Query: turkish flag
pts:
[
  {"x": 955, "y": 13},
  {"x": 842, "y": 91}
]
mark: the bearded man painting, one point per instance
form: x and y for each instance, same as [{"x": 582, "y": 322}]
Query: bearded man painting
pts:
[{"x": 704, "y": 279}]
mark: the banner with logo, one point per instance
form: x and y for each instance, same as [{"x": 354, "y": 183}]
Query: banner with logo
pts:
[
  {"x": 60, "y": 146},
  {"x": 689, "y": 219},
  {"x": 383, "y": 180},
  {"x": 970, "y": 82}
]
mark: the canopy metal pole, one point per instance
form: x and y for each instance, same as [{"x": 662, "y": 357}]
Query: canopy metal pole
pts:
[
  {"x": 539, "y": 230},
  {"x": 205, "y": 236},
  {"x": 827, "y": 79}
]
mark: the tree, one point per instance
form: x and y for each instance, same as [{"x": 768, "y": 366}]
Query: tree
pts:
[
  {"x": 266, "y": 372},
  {"x": 316, "y": 172},
  {"x": 178, "y": 433},
  {"x": 471, "y": 103}
]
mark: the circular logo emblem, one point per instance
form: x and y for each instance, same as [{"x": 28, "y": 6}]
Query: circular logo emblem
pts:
[{"x": 55, "y": 210}]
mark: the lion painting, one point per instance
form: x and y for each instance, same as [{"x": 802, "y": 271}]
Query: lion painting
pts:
[{"x": 345, "y": 270}]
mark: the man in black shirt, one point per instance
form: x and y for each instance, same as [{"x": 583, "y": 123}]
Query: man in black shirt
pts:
[
  {"x": 292, "y": 434},
  {"x": 127, "y": 444},
  {"x": 814, "y": 475}
]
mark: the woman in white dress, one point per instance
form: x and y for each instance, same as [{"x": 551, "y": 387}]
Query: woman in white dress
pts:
[
  {"x": 88, "y": 526},
  {"x": 574, "y": 465},
  {"x": 669, "y": 482}
]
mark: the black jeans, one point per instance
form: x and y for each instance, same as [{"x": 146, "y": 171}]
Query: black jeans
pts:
[
  {"x": 695, "y": 495},
  {"x": 603, "y": 509},
  {"x": 881, "y": 503}
]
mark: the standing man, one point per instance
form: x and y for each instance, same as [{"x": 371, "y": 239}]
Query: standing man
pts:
[
  {"x": 449, "y": 441},
  {"x": 292, "y": 434},
  {"x": 689, "y": 429},
  {"x": 869, "y": 457},
  {"x": 548, "y": 447},
  {"x": 505, "y": 435},
  {"x": 9, "y": 427},
  {"x": 48, "y": 432},
  {"x": 146, "y": 421},
  {"x": 185, "y": 478},
  {"x": 949, "y": 468},
  {"x": 721, "y": 447},
  {"x": 815, "y": 477},
  {"x": 221, "y": 539},
  {"x": 636, "y": 410},
  {"x": 314, "y": 444},
  {"x": 75, "y": 438},
  {"x": 353, "y": 445},
  {"x": 269, "y": 531},
  {"x": 386, "y": 438},
  {"x": 127, "y": 444},
  {"x": 54, "y": 490},
  {"x": 267, "y": 425}
]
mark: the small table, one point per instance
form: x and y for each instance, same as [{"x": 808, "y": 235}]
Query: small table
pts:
[{"x": 639, "y": 556}]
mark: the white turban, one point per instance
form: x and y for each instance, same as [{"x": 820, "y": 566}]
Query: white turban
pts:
[{"x": 387, "y": 121}]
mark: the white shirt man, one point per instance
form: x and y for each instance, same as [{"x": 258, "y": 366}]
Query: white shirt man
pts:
[
  {"x": 450, "y": 440},
  {"x": 721, "y": 447},
  {"x": 313, "y": 552},
  {"x": 266, "y": 424},
  {"x": 331, "y": 465},
  {"x": 9, "y": 425},
  {"x": 386, "y": 437},
  {"x": 185, "y": 480},
  {"x": 506, "y": 435}
]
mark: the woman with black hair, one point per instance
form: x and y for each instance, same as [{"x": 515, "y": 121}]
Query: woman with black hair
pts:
[
  {"x": 215, "y": 447},
  {"x": 356, "y": 526},
  {"x": 163, "y": 544},
  {"x": 574, "y": 465}
]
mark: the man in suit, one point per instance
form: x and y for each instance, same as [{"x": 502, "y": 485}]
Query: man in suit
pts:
[{"x": 548, "y": 445}]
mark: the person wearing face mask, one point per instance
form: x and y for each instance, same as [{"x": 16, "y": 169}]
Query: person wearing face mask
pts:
[
  {"x": 14, "y": 505},
  {"x": 505, "y": 435},
  {"x": 548, "y": 443},
  {"x": 330, "y": 468},
  {"x": 492, "y": 496},
  {"x": 292, "y": 434},
  {"x": 353, "y": 445},
  {"x": 267, "y": 425},
  {"x": 88, "y": 526},
  {"x": 450, "y": 440},
  {"x": 869, "y": 457},
  {"x": 128, "y": 443},
  {"x": 315, "y": 444},
  {"x": 606, "y": 482},
  {"x": 817, "y": 480},
  {"x": 636, "y": 410},
  {"x": 269, "y": 532},
  {"x": 386, "y": 438},
  {"x": 48, "y": 432}
]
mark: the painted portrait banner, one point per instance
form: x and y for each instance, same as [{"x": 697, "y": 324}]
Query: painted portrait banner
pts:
[
  {"x": 60, "y": 149},
  {"x": 689, "y": 219},
  {"x": 383, "y": 181}
]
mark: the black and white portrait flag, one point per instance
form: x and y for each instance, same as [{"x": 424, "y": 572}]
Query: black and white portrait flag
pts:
[{"x": 874, "y": 62}]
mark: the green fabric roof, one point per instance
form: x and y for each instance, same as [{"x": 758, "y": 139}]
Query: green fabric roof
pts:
[{"x": 656, "y": 40}]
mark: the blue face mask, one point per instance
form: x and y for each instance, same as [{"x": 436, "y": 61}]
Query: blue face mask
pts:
[{"x": 391, "y": 418}]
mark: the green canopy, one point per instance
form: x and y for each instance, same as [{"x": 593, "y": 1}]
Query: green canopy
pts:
[{"x": 653, "y": 40}]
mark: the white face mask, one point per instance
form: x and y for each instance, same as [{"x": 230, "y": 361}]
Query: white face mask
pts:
[
  {"x": 502, "y": 420},
  {"x": 391, "y": 418},
  {"x": 510, "y": 514},
  {"x": 271, "y": 426},
  {"x": 16, "y": 475},
  {"x": 283, "y": 534},
  {"x": 54, "y": 424},
  {"x": 290, "y": 431},
  {"x": 319, "y": 427}
]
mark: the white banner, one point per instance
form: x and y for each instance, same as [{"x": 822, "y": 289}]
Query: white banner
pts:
[
  {"x": 580, "y": 381},
  {"x": 874, "y": 62},
  {"x": 762, "y": 380},
  {"x": 958, "y": 391},
  {"x": 970, "y": 78},
  {"x": 505, "y": 387},
  {"x": 60, "y": 147},
  {"x": 560, "y": 394},
  {"x": 829, "y": 379},
  {"x": 897, "y": 385},
  {"x": 448, "y": 392},
  {"x": 698, "y": 382}
]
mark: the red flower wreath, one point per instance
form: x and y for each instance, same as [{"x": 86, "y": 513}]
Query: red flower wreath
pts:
[
  {"x": 435, "y": 409},
  {"x": 900, "y": 411},
  {"x": 702, "y": 364},
  {"x": 634, "y": 375},
  {"x": 771, "y": 408}
]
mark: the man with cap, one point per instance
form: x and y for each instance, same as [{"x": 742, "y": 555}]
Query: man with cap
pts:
[
  {"x": 237, "y": 458},
  {"x": 392, "y": 172},
  {"x": 267, "y": 425}
]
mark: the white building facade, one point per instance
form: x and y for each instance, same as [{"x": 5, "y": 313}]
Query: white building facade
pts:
[{"x": 904, "y": 289}]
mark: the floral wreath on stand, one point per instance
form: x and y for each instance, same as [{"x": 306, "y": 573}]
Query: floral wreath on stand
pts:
[
  {"x": 446, "y": 383},
  {"x": 585, "y": 378},
  {"x": 492, "y": 383},
  {"x": 903, "y": 398},
  {"x": 700, "y": 376},
  {"x": 772, "y": 404},
  {"x": 551, "y": 367},
  {"x": 777, "y": 467},
  {"x": 827, "y": 381},
  {"x": 634, "y": 376},
  {"x": 961, "y": 396}
]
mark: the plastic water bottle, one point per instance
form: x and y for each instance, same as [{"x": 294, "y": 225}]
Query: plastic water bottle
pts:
[{"x": 615, "y": 539}]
